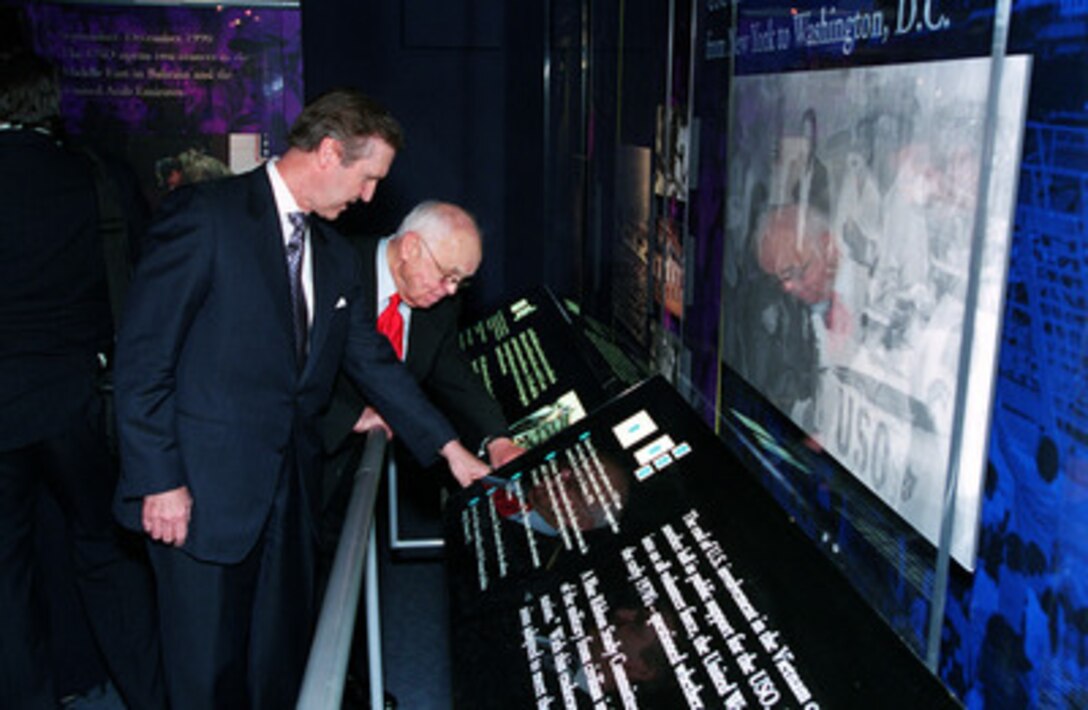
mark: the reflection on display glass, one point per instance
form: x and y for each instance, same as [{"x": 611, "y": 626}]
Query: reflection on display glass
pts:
[{"x": 847, "y": 266}]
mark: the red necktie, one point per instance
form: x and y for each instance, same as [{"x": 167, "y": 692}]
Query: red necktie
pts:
[{"x": 391, "y": 325}]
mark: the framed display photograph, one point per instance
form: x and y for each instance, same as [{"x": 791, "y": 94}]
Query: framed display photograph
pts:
[
  {"x": 672, "y": 150},
  {"x": 850, "y": 228}
]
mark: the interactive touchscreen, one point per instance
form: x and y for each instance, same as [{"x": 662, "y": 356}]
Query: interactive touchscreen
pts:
[{"x": 630, "y": 563}]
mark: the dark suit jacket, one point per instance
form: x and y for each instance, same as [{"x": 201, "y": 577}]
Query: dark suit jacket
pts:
[
  {"x": 54, "y": 306},
  {"x": 209, "y": 393},
  {"x": 436, "y": 361}
]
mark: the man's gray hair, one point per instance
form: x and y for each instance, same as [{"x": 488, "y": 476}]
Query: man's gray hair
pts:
[{"x": 434, "y": 220}]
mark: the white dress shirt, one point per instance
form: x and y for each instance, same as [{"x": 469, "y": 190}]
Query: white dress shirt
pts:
[{"x": 285, "y": 205}]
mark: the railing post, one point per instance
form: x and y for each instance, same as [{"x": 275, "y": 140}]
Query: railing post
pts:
[{"x": 326, "y": 669}]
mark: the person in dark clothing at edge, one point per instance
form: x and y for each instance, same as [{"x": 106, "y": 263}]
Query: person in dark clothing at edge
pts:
[{"x": 55, "y": 321}]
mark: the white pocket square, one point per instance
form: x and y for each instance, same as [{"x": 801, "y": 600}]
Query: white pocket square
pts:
[{"x": 342, "y": 303}]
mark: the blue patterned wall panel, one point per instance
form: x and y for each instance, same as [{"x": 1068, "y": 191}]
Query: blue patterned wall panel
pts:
[{"x": 1015, "y": 633}]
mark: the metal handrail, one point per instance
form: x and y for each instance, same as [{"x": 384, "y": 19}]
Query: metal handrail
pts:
[{"x": 326, "y": 669}]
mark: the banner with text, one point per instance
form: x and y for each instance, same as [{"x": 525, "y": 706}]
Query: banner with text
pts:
[{"x": 181, "y": 93}]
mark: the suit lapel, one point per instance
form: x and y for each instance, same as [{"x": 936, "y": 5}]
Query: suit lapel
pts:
[
  {"x": 270, "y": 251},
  {"x": 325, "y": 287},
  {"x": 418, "y": 343},
  {"x": 425, "y": 335},
  {"x": 369, "y": 254}
]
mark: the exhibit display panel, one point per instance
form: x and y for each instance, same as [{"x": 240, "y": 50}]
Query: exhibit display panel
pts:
[
  {"x": 1011, "y": 634},
  {"x": 546, "y": 364},
  {"x": 854, "y": 251},
  {"x": 867, "y": 191},
  {"x": 633, "y": 562},
  {"x": 537, "y": 365}
]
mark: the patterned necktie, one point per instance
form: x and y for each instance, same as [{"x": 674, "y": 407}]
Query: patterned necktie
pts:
[
  {"x": 391, "y": 325},
  {"x": 296, "y": 248}
]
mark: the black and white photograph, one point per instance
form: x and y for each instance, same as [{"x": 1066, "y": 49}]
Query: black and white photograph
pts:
[
  {"x": 850, "y": 220},
  {"x": 672, "y": 146}
]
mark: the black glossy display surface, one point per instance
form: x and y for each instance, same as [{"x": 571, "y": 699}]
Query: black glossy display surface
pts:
[
  {"x": 546, "y": 365},
  {"x": 532, "y": 359},
  {"x": 630, "y": 562}
]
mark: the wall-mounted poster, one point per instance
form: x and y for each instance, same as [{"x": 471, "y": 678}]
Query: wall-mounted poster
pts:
[
  {"x": 181, "y": 93},
  {"x": 848, "y": 250}
]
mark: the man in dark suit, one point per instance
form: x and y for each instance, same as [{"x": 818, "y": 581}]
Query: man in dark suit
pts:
[
  {"x": 434, "y": 253},
  {"x": 54, "y": 321},
  {"x": 239, "y": 316}
]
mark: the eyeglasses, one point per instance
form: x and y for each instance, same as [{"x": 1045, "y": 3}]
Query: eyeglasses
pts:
[{"x": 449, "y": 277}]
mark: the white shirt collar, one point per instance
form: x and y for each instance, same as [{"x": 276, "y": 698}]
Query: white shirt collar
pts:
[
  {"x": 386, "y": 285},
  {"x": 285, "y": 201},
  {"x": 285, "y": 205}
]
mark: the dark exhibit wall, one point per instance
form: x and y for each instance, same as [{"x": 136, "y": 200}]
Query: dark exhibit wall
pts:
[
  {"x": 626, "y": 76},
  {"x": 464, "y": 80},
  {"x": 709, "y": 213}
]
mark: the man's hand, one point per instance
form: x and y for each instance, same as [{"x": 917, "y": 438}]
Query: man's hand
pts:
[
  {"x": 501, "y": 450},
  {"x": 166, "y": 515},
  {"x": 370, "y": 419},
  {"x": 466, "y": 468}
]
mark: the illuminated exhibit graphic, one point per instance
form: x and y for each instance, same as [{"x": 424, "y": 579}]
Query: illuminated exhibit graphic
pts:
[
  {"x": 181, "y": 94},
  {"x": 848, "y": 266}
]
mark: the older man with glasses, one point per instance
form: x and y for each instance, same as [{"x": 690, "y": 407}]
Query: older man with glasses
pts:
[{"x": 414, "y": 278}]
